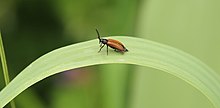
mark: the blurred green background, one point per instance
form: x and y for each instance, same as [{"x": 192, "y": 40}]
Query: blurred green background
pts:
[{"x": 31, "y": 28}]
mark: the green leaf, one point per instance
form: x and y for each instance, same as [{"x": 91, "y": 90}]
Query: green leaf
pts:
[{"x": 141, "y": 52}]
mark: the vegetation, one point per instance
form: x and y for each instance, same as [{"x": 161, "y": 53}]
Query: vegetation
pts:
[{"x": 42, "y": 38}]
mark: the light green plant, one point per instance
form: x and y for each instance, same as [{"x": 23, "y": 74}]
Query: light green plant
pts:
[{"x": 141, "y": 52}]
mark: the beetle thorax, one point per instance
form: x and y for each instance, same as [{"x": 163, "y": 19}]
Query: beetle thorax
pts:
[{"x": 104, "y": 41}]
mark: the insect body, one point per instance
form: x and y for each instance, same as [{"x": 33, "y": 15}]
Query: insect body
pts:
[{"x": 114, "y": 44}]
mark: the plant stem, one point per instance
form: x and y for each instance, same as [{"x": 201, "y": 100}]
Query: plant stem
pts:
[
  {"x": 5, "y": 68},
  {"x": 4, "y": 63}
]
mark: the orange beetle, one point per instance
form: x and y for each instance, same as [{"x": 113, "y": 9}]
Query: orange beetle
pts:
[{"x": 114, "y": 44}]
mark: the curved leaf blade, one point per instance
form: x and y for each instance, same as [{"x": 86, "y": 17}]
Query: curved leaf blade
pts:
[{"x": 141, "y": 52}]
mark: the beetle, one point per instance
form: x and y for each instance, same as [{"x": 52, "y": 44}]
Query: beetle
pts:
[{"x": 114, "y": 44}]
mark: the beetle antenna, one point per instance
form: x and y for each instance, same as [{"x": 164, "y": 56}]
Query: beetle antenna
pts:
[{"x": 98, "y": 35}]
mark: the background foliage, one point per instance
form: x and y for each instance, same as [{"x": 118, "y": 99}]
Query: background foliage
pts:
[{"x": 31, "y": 28}]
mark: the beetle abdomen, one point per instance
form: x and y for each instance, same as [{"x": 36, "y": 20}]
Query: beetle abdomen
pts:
[{"x": 117, "y": 46}]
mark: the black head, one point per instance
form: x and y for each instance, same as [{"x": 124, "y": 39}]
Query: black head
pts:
[{"x": 101, "y": 41}]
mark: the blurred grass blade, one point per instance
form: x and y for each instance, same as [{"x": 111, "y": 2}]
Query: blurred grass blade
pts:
[
  {"x": 4, "y": 63},
  {"x": 141, "y": 52},
  {"x": 4, "y": 67}
]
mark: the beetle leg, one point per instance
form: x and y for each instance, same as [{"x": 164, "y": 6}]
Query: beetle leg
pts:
[
  {"x": 107, "y": 49},
  {"x": 101, "y": 48}
]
